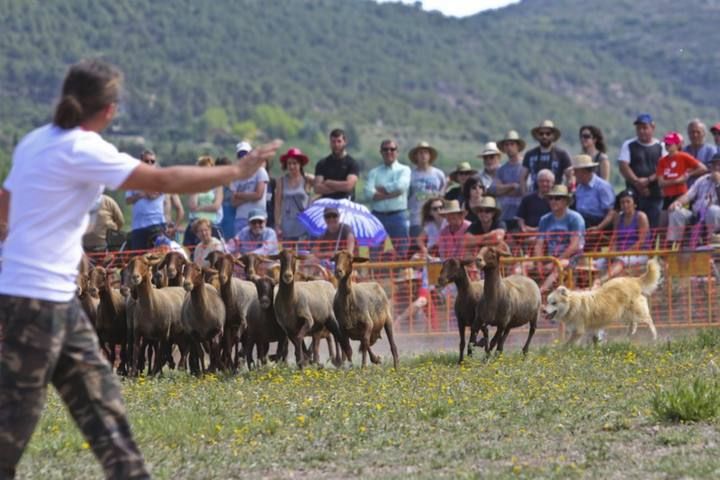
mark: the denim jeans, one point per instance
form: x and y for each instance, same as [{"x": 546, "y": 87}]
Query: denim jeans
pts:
[
  {"x": 652, "y": 207},
  {"x": 397, "y": 226}
]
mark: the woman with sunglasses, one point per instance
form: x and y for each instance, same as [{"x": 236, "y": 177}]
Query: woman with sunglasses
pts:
[
  {"x": 338, "y": 236},
  {"x": 593, "y": 144},
  {"x": 432, "y": 223},
  {"x": 58, "y": 171}
]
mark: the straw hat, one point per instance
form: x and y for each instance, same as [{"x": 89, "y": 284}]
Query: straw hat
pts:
[
  {"x": 546, "y": 125},
  {"x": 512, "y": 136},
  {"x": 423, "y": 145},
  {"x": 485, "y": 202},
  {"x": 451, "y": 206},
  {"x": 583, "y": 161},
  {"x": 463, "y": 167},
  {"x": 490, "y": 149},
  {"x": 559, "y": 191}
]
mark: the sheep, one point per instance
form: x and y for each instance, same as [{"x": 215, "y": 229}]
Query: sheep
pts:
[
  {"x": 506, "y": 303},
  {"x": 263, "y": 329},
  {"x": 155, "y": 311},
  {"x": 173, "y": 264},
  {"x": 240, "y": 298},
  {"x": 203, "y": 315},
  {"x": 111, "y": 316},
  {"x": 305, "y": 308},
  {"x": 362, "y": 309},
  {"x": 89, "y": 301},
  {"x": 467, "y": 299}
]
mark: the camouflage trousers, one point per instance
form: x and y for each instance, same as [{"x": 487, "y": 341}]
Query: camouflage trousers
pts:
[{"x": 43, "y": 342}]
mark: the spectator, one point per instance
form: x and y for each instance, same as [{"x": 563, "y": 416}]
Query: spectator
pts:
[
  {"x": 509, "y": 192},
  {"x": 638, "y": 161},
  {"x": 489, "y": 229},
  {"x": 202, "y": 229},
  {"x": 256, "y": 237},
  {"x": 432, "y": 223},
  {"x": 207, "y": 205},
  {"x": 106, "y": 215},
  {"x": 630, "y": 233},
  {"x": 562, "y": 235},
  {"x": 249, "y": 195},
  {"x": 387, "y": 187},
  {"x": 148, "y": 217},
  {"x": 452, "y": 236},
  {"x": 291, "y": 196},
  {"x": 592, "y": 141},
  {"x": 676, "y": 168},
  {"x": 702, "y": 151},
  {"x": 460, "y": 175},
  {"x": 164, "y": 243},
  {"x": 545, "y": 155},
  {"x": 426, "y": 182},
  {"x": 490, "y": 156},
  {"x": 173, "y": 211},
  {"x": 338, "y": 236},
  {"x": 705, "y": 198},
  {"x": 715, "y": 130},
  {"x": 472, "y": 191},
  {"x": 534, "y": 205},
  {"x": 594, "y": 197},
  {"x": 270, "y": 195},
  {"x": 227, "y": 224},
  {"x": 337, "y": 174}
]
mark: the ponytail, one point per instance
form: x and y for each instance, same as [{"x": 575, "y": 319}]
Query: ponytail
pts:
[
  {"x": 68, "y": 113},
  {"x": 89, "y": 87}
]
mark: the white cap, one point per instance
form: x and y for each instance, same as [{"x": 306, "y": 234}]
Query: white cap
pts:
[{"x": 243, "y": 147}]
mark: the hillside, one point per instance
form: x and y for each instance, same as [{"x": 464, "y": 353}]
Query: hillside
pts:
[{"x": 206, "y": 74}]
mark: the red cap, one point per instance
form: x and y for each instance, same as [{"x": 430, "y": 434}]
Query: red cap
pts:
[
  {"x": 715, "y": 128},
  {"x": 673, "y": 138}
]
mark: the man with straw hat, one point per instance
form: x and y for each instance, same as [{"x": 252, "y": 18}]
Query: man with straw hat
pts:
[
  {"x": 561, "y": 234},
  {"x": 460, "y": 175},
  {"x": 507, "y": 180},
  {"x": 452, "y": 236},
  {"x": 426, "y": 182},
  {"x": 490, "y": 156},
  {"x": 594, "y": 197},
  {"x": 489, "y": 228},
  {"x": 545, "y": 155}
]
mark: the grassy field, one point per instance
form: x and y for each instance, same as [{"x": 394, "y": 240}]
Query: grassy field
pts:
[{"x": 559, "y": 413}]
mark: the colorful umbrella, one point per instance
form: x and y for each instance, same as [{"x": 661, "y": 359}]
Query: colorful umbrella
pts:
[{"x": 367, "y": 229}]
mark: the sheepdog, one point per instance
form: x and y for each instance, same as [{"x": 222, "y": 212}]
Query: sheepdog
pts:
[{"x": 621, "y": 299}]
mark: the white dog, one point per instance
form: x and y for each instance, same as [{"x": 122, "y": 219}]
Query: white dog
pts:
[{"x": 621, "y": 299}]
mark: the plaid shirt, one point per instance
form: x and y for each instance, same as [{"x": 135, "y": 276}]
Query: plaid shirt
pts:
[{"x": 704, "y": 193}]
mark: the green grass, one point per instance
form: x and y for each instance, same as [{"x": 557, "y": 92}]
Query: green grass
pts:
[{"x": 559, "y": 413}]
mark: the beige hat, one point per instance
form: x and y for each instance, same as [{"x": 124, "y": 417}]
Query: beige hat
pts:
[
  {"x": 451, "y": 206},
  {"x": 463, "y": 167},
  {"x": 423, "y": 145},
  {"x": 559, "y": 191},
  {"x": 512, "y": 136},
  {"x": 583, "y": 161},
  {"x": 489, "y": 149},
  {"x": 485, "y": 202},
  {"x": 546, "y": 125},
  {"x": 408, "y": 274}
]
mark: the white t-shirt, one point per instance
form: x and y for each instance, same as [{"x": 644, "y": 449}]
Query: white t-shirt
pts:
[
  {"x": 55, "y": 179},
  {"x": 250, "y": 185}
]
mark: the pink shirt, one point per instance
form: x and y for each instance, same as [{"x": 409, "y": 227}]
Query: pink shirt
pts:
[{"x": 451, "y": 243}]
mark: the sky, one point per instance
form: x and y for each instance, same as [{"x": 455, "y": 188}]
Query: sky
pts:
[{"x": 458, "y": 8}]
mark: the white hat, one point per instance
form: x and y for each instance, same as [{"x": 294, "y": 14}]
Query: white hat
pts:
[
  {"x": 257, "y": 215},
  {"x": 490, "y": 149},
  {"x": 243, "y": 147}
]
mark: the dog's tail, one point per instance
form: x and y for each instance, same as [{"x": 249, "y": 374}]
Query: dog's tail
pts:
[{"x": 651, "y": 279}]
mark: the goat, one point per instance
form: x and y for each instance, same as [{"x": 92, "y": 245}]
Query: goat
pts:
[
  {"x": 89, "y": 300},
  {"x": 305, "y": 308},
  {"x": 155, "y": 312},
  {"x": 506, "y": 303},
  {"x": 467, "y": 299},
  {"x": 173, "y": 264},
  {"x": 265, "y": 328},
  {"x": 203, "y": 316},
  {"x": 362, "y": 309},
  {"x": 111, "y": 316}
]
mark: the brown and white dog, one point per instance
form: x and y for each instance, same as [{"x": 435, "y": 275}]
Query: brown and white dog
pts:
[{"x": 621, "y": 299}]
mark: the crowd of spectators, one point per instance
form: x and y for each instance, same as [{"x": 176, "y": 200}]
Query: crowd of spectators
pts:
[{"x": 542, "y": 196}]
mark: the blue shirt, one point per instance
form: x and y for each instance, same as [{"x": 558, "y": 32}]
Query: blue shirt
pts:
[
  {"x": 703, "y": 154},
  {"x": 265, "y": 244},
  {"x": 147, "y": 212},
  {"x": 395, "y": 178},
  {"x": 557, "y": 232},
  {"x": 594, "y": 199}
]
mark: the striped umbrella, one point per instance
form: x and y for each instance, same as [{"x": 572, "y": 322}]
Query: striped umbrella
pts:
[{"x": 367, "y": 229}]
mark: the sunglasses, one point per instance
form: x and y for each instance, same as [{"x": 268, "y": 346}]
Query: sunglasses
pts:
[
  {"x": 436, "y": 208},
  {"x": 331, "y": 215},
  {"x": 485, "y": 210},
  {"x": 388, "y": 149},
  {"x": 478, "y": 186},
  {"x": 257, "y": 222},
  {"x": 586, "y": 136},
  {"x": 149, "y": 162},
  {"x": 545, "y": 134},
  {"x": 552, "y": 199}
]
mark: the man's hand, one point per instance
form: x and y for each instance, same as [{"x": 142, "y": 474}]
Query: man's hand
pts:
[{"x": 251, "y": 163}]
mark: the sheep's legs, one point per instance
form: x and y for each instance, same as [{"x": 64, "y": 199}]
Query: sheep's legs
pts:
[
  {"x": 526, "y": 348},
  {"x": 391, "y": 339},
  {"x": 461, "y": 326},
  {"x": 501, "y": 343},
  {"x": 332, "y": 325},
  {"x": 494, "y": 341}
]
